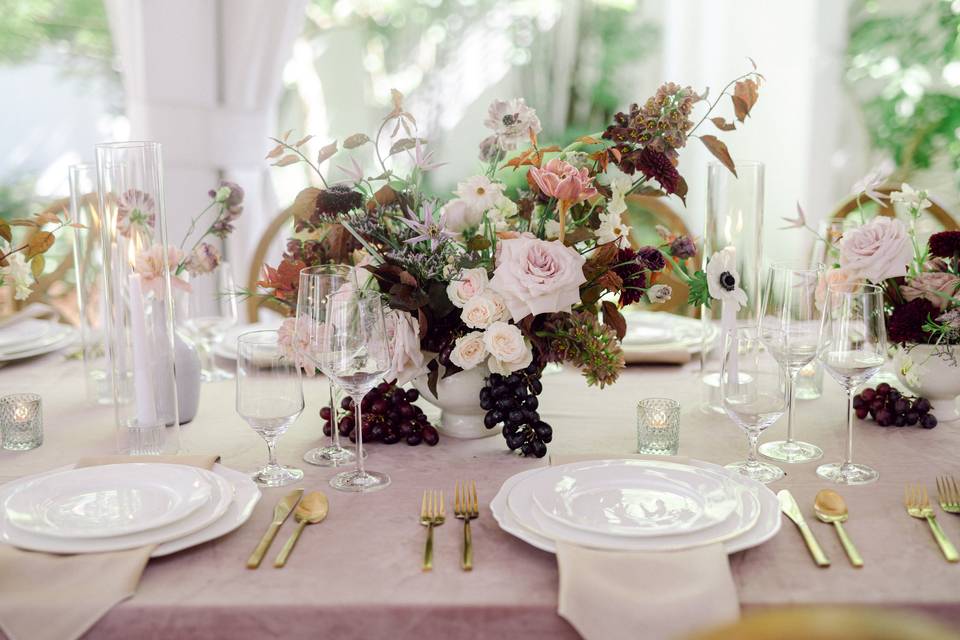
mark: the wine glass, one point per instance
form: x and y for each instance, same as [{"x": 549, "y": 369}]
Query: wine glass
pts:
[
  {"x": 790, "y": 328},
  {"x": 356, "y": 354},
  {"x": 753, "y": 396},
  {"x": 208, "y": 312},
  {"x": 852, "y": 350},
  {"x": 316, "y": 284},
  {"x": 269, "y": 398}
]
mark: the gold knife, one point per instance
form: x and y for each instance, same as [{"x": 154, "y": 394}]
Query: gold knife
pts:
[
  {"x": 280, "y": 513},
  {"x": 790, "y": 507}
]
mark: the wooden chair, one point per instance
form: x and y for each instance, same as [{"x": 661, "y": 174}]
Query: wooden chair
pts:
[
  {"x": 277, "y": 225},
  {"x": 936, "y": 210},
  {"x": 643, "y": 214}
]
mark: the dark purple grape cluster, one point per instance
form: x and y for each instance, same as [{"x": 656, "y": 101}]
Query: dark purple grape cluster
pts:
[
  {"x": 388, "y": 415},
  {"x": 511, "y": 401},
  {"x": 890, "y": 408}
]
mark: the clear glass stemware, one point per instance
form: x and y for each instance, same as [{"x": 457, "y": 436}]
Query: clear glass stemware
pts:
[
  {"x": 852, "y": 349},
  {"x": 753, "y": 396},
  {"x": 790, "y": 328},
  {"x": 356, "y": 355},
  {"x": 316, "y": 284},
  {"x": 269, "y": 398},
  {"x": 206, "y": 313}
]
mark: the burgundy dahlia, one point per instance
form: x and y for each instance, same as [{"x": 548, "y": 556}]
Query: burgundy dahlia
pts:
[
  {"x": 945, "y": 244},
  {"x": 657, "y": 165},
  {"x": 633, "y": 272},
  {"x": 905, "y": 324}
]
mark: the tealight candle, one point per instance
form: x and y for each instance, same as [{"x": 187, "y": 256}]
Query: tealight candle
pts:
[
  {"x": 658, "y": 426},
  {"x": 21, "y": 422}
]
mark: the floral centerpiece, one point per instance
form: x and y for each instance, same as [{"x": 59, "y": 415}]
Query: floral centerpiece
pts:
[
  {"x": 921, "y": 284},
  {"x": 496, "y": 282},
  {"x": 21, "y": 264}
]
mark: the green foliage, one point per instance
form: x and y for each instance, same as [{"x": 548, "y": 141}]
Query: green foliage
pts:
[
  {"x": 904, "y": 70},
  {"x": 78, "y": 27}
]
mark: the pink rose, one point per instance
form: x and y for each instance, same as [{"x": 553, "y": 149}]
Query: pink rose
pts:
[
  {"x": 403, "y": 336},
  {"x": 483, "y": 310},
  {"x": 508, "y": 350},
  {"x": 878, "y": 250},
  {"x": 932, "y": 286},
  {"x": 468, "y": 284},
  {"x": 469, "y": 351},
  {"x": 536, "y": 276}
]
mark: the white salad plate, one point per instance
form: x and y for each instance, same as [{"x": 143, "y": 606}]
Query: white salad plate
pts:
[
  {"x": 654, "y": 329},
  {"x": 231, "y": 502},
  {"x": 227, "y": 348},
  {"x": 526, "y": 528},
  {"x": 111, "y": 500},
  {"x": 635, "y": 497},
  {"x": 62, "y": 337},
  {"x": 21, "y": 334}
]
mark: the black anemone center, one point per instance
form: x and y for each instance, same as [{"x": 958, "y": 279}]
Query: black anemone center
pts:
[
  {"x": 727, "y": 281},
  {"x": 510, "y": 119}
]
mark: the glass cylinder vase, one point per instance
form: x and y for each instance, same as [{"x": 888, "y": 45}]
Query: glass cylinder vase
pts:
[
  {"x": 91, "y": 292},
  {"x": 734, "y": 220},
  {"x": 140, "y": 329}
]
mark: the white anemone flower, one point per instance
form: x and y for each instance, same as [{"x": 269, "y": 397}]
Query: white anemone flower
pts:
[{"x": 723, "y": 279}]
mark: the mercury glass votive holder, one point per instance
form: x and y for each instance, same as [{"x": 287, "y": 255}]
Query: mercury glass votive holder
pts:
[
  {"x": 658, "y": 426},
  {"x": 21, "y": 422}
]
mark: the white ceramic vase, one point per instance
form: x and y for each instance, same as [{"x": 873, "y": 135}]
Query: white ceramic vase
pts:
[
  {"x": 931, "y": 372},
  {"x": 459, "y": 403}
]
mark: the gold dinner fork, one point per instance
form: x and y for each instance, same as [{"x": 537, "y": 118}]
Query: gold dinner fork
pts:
[
  {"x": 948, "y": 494},
  {"x": 918, "y": 505},
  {"x": 466, "y": 507},
  {"x": 431, "y": 515}
]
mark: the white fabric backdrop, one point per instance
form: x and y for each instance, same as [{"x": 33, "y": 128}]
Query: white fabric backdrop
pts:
[{"x": 203, "y": 78}]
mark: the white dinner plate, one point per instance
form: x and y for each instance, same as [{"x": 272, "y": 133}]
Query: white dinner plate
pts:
[
  {"x": 635, "y": 497},
  {"x": 766, "y": 526},
  {"x": 644, "y": 327},
  {"x": 105, "y": 501},
  {"x": 227, "y": 348},
  {"x": 222, "y": 495},
  {"x": 59, "y": 340},
  {"x": 21, "y": 334}
]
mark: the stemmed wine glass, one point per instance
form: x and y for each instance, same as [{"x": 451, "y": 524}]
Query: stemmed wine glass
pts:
[
  {"x": 316, "y": 284},
  {"x": 356, "y": 354},
  {"x": 753, "y": 396},
  {"x": 852, "y": 350},
  {"x": 790, "y": 328},
  {"x": 210, "y": 310},
  {"x": 269, "y": 398}
]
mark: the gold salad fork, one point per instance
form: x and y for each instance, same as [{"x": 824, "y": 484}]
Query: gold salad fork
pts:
[
  {"x": 918, "y": 505},
  {"x": 948, "y": 494},
  {"x": 466, "y": 507},
  {"x": 431, "y": 515}
]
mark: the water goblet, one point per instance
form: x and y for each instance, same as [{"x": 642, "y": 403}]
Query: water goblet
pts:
[
  {"x": 790, "y": 328},
  {"x": 269, "y": 398},
  {"x": 752, "y": 396},
  {"x": 356, "y": 355},
  {"x": 852, "y": 349},
  {"x": 315, "y": 285}
]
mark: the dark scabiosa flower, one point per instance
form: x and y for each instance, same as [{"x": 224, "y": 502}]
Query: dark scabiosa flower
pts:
[
  {"x": 633, "y": 272},
  {"x": 905, "y": 324},
  {"x": 650, "y": 258},
  {"x": 945, "y": 244},
  {"x": 336, "y": 200},
  {"x": 683, "y": 248}
]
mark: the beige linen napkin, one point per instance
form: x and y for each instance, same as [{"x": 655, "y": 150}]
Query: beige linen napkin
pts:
[
  {"x": 44, "y": 596},
  {"x": 609, "y": 595},
  {"x": 672, "y": 353}
]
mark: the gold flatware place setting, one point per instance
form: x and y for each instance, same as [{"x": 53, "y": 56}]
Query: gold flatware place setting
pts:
[
  {"x": 307, "y": 509},
  {"x": 466, "y": 507}
]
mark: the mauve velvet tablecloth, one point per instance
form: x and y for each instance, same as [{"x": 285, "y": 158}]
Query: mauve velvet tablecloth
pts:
[{"x": 357, "y": 575}]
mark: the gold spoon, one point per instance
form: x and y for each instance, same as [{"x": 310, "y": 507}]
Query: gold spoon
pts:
[
  {"x": 831, "y": 508},
  {"x": 311, "y": 510}
]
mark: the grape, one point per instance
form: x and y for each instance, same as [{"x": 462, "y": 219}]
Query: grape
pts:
[
  {"x": 327, "y": 429},
  {"x": 325, "y": 413},
  {"x": 900, "y": 420},
  {"x": 893, "y": 395},
  {"x": 901, "y": 405},
  {"x": 412, "y": 395},
  {"x": 517, "y": 417},
  {"x": 389, "y": 416},
  {"x": 913, "y": 418},
  {"x": 859, "y": 402},
  {"x": 877, "y": 404},
  {"x": 511, "y": 401},
  {"x": 536, "y": 386},
  {"x": 883, "y": 389},
  {"x": 531, "y": 403},
  {"x": 414, "y": 439},
  {"x": 430, "y": 435},
  {"x": 490, "y": 421},
  {"x": 922, "y": 405},
  {"x": 928, "y": 421},
  {"x": 868, "y": 394},
  {"x": 862, "y": 413},
  {"x": 390, "y": 437},
  {"x": 346, "y": 404},
  {"x": 884, "y": 417}
]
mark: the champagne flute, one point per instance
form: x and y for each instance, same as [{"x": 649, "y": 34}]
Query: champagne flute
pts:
[
  {"x": 852, "y": 350},
  {"x": 752, "y": 396},
  {"x": 210, "y": 311},
  {"x": 269, "y": 398},
  {"x": 356, "y": 354},
  {"x": 316, "y": 284},
  {"x": 790, "y": 329}
]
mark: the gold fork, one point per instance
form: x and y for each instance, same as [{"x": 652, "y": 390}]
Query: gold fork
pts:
[
  {"x": 466, "y": 507},
  {"x": 948, "y": 494},
  {"x": 918, "y": 505},
  {"x": 431, "y": 515}
]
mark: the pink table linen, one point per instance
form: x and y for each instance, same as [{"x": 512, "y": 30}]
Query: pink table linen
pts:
[{"x": 357, "y": 575}]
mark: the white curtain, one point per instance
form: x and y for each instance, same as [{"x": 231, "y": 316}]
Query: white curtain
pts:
[{"x": 203, "y": 78}]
